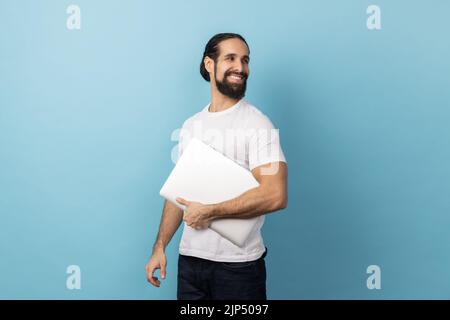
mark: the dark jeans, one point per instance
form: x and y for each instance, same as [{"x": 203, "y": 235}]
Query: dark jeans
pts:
[{"x": 201, "y": 279}]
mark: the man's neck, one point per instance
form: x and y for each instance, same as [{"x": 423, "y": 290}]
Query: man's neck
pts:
[{"x": 219, "y": 102}]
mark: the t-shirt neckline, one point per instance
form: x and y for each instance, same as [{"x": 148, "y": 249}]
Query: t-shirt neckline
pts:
[{"x": 219, "y": 113}]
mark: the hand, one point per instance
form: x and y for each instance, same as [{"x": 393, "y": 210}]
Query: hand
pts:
[
  {"x": 197, "y": 215},
  {"x": 157, "y": 261}
]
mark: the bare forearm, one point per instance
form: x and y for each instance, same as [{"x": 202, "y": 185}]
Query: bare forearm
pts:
[
  {"x": 170, "y": 222},
  {"x": 252, "y": 203}
]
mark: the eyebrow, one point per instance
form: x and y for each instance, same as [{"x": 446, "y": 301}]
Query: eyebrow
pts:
[{"x": 234, "y": 55}]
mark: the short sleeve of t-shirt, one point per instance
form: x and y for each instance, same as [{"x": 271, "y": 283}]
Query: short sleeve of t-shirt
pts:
[
  {"x": 264, "y": 144},
  {"x": 180, "y": 145},
  {"x": 183, "y": 138}
]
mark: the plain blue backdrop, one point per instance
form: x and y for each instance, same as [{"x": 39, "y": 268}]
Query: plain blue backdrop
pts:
[{"x": 86, "y": 118}]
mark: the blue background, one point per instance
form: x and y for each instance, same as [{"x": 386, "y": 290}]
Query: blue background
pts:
[{"x": 86, "y": 118}]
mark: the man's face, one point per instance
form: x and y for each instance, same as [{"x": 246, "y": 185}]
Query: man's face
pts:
[{"x": 231, "y": 69}]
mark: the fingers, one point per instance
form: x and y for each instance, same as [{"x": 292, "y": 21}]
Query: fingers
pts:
[
  {"x": 203, "y": 226},
  {"x": 156, "y": 262},
  {"x": 152, "y": 279},
  {"x": 190, "y": 223},
  {"x": 163, "y": 270},
  {"x": 198, "y": 226},
  {"x": 182, "y": 201}
]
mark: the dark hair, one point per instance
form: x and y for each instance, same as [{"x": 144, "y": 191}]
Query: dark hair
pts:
[{"x": 212, "y": 50}]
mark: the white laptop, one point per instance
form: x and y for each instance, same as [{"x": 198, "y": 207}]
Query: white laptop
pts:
[{"x": 205, "y": 175}]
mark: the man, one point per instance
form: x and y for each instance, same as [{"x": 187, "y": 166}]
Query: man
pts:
[{"x": 210, "y": 266}]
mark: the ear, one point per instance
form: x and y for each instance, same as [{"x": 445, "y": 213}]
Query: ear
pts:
[{"x": 209, "y": 64}]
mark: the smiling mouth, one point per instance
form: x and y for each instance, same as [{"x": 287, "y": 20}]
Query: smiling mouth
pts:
[{"x": 236, "y": 77}]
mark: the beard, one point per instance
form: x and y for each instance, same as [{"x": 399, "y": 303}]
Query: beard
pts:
[{"x": 232, "y": 90}]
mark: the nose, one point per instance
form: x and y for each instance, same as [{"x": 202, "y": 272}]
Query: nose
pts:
[
  {"x": 239, "y": 69},
  {"x": 239, "y": 65}
]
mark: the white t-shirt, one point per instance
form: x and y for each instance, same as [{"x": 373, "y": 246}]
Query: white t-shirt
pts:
[{"x": 247, "y": 136}]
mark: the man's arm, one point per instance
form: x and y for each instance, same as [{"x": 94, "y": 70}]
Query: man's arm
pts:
[
  {"x": 170, "y": 221},
  {"x": 269, "y": 196}
]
